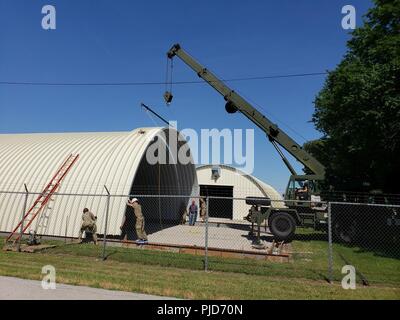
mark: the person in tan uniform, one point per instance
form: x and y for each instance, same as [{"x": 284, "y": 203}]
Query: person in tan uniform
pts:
[
  {"x": 184, "y": 216},
  {"x": 203, "y": 209},
  {"x": 88, "y": 225},
  {"x": 140, "y": 232}
]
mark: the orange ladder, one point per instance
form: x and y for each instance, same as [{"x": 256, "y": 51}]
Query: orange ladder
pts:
[{"x": 43, "y": 199}]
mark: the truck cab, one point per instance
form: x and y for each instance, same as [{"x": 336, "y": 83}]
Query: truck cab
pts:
[{"x": 301, "y": 188}]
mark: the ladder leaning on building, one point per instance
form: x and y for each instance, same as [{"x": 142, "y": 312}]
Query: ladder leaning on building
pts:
[{"x": 42, "y": 204}]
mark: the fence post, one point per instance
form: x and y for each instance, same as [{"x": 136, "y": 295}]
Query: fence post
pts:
[
  {"x": 206, "y": 238},
  {"x": 22, "y": 218},
  {"x": 330, "y": 245},
  {"x": 106, "y": 223}
]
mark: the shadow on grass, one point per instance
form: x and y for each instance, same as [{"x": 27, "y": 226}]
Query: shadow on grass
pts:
[
  {"x": 110, "y": 254},
  {"x": 382, "y": 250}
]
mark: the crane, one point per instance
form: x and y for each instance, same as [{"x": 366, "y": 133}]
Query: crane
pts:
[{"x": 282, "y": 222}]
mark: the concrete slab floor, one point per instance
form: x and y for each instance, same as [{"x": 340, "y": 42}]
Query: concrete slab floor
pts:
[{"x": 233, "y": 237}]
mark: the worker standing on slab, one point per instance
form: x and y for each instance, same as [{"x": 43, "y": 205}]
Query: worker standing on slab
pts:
[
  {"x": 88, "y": 225},
  {"x": 193, "y": 209},
  {"x": 128, "y": 225},
  {"x": 203, "y": 209},
  {"x": 141, "y": 234},
  {"x": 184, "y": 216}
]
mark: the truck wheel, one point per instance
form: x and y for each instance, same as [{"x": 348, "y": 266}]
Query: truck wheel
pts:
[{"x": 282, "y": 225}]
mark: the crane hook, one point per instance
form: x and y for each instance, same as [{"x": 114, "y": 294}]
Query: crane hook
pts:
[{"x": 168, "y": 97}]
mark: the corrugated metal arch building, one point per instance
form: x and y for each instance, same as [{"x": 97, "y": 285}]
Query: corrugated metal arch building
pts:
[
  {"x": 238, "y": 185},
  {"x": 114, "y": 159}
]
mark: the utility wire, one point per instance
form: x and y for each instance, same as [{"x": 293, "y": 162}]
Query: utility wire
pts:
[
  {"x": 157, "y": 83},
  {"x": 170, "y": 83}
]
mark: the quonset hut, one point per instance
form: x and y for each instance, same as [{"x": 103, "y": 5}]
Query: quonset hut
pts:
[
  {"x": 113, "y": 159},
  {"x": 225, "y": 182}
]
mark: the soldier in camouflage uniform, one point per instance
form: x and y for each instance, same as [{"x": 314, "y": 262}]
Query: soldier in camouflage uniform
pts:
[
  {"x": 203, "y": 209},
  {"x": 88, "y": 225},
  {"x": 141, "y": 234}
]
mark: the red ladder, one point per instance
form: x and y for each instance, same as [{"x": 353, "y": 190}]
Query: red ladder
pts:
[{"x": 43, "y": 198}]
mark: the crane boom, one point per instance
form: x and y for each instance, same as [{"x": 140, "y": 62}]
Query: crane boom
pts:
[{"x": 237, "y": 103}]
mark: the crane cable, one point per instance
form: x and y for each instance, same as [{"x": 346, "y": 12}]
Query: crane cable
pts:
[{"x": 168, "y": 81}]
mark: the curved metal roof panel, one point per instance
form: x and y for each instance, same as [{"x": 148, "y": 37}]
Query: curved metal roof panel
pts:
[{"x": 105, "y": 158}]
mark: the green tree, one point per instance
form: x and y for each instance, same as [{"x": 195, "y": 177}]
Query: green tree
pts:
[{"x": 358, "y": 109}]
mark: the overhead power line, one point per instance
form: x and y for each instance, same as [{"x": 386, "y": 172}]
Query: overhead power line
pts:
[{"x": 19, "y": 83}]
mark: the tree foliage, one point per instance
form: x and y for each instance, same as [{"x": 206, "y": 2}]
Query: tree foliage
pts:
[{"x": 358, "y": 109}]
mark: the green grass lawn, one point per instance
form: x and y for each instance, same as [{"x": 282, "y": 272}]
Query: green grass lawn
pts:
[
  {"x": 182, "y": 275},
  {"x": 381, "y": 266}
]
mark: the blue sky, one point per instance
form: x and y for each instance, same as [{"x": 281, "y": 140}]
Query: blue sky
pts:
[{"x": 126, "y": 41}]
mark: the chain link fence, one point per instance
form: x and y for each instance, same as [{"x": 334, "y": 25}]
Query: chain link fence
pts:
[
  {"x": 216, "y": 233},
  {"x": 365, "y": 238}
]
